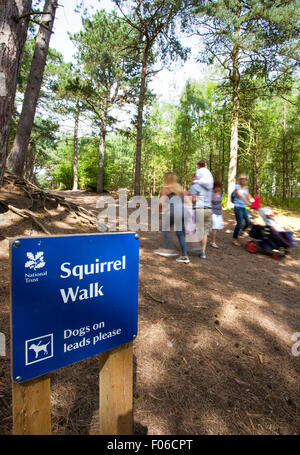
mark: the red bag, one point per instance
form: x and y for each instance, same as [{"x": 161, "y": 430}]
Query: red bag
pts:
[{"x": 256, "y": 204}]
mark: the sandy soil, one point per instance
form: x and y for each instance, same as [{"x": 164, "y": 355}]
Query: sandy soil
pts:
[{"x": 213, "y": 352}]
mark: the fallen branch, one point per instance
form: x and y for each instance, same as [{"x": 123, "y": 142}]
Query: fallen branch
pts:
[
  {"x": 44, "y": 229},
  {"x": 15, "y": 210},
  {"x": 218, "y": 330},
  {"x": 156, "y": 299},
  {"x": 25, "y": 214}
]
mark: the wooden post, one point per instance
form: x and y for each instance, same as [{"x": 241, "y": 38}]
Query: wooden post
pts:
[
  {"x": 116, "y": 391},
  {"x": 31, "y": 407}
]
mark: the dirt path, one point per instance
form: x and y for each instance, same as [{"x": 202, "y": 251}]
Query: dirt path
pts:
[{"x": 213, "y": 352}]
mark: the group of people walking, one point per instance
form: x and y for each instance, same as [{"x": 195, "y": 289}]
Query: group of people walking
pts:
[{"x": 199, "y": 217}]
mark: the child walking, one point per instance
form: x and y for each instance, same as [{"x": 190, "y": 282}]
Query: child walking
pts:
[{"x": 217, "y": 212}]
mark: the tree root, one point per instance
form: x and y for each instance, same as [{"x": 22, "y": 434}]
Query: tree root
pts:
[
  {"x": 34, "y": 193},
  {"x": 26, "y": 214}
]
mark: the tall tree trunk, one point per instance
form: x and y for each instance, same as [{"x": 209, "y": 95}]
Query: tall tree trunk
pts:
[
  {"x": 186, "y": 152},
  {"x": 292, "y": 179},
  {"x": 274, "y": 185},
  {"x": 256, "y": 165},
  {"x": 223, "y": 147},
  {"x": 234, "y": 140},
  {"x": 139, "y": 138},
  {"x": 29, "y": 161},
  {"x": 21, "y": 142},
  {"x": 284, "y": 155},
  {"x": 75, "y": 154},
  {"x": 210, "y": 143},
  {"x": 101, "y": 155},
  {"x": 13, "y": 34}
]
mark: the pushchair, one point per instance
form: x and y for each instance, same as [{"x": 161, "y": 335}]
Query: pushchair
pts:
[{"x": 268, "y": 240}]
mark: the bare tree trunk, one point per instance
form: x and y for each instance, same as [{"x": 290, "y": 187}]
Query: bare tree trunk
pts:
[
  {"x": 137, "y": 178},
  {"x": 284, "y": 155},
  {"x": 274, "y": 185},
  {"x": 292, "y": 179},
  {"x": 210, "y": 144},
  {"x": 21, "y": 142},
  {"x": 223, "y": 148},
  {"x": 186, "y": 151},
  {"x": 75, "y": 154},
  {"x": 101, "y": 155},
  {"x": 256, "y": 165},
  {"x": 234, "y": 141},
  {"x": 29, "y": 162},
  {"x": 13, "y": 34}
]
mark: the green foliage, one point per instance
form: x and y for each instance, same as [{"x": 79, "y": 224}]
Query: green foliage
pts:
[
  {"x": 288, "y": 204},
  {"x": 107, "y": 77},
  {"x": 88, "y": 163},
  {"x": 155, "y": 22},
  {"x": 64, "y": 176},
  {"x": 118, "y": 163},
  {"x": 41, "y": 154},
  {"x": 176, "y": 136},
  {"x": 62, "y": 170},
  {"x": 55, "y": 69}
]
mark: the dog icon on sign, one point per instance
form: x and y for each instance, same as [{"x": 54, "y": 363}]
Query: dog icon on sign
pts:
[{"x": 39, "y": 349}]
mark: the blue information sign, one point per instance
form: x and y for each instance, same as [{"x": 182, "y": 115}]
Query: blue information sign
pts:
[{"x": 72, "y": 297}]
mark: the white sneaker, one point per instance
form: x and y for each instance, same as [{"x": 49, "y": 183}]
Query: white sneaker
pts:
[
  {"x": 184, "y": 259},
  {"x": 214, "y": 245},
  {"x": 166, "y": 253}
]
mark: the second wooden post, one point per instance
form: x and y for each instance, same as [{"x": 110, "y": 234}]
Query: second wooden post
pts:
[{"x": 116, "y": 391}]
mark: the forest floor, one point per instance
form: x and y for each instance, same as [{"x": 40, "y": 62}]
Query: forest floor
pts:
[{"x": 213, "y": 352}]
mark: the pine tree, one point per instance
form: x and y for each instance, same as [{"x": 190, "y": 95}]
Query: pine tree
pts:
[
  {"x": 256, "y": 38},
  {"x": 22, "y": 138},
  {"x": 107, "y": 75},
  {"x": 14, "y": 20},
  {"x": 154, "y": 25}
]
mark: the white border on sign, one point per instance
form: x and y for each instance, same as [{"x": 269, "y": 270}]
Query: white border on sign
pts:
[{"x": 43, "y": 358}]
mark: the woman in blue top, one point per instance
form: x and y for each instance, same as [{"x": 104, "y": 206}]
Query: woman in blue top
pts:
[{"x": 241, "y": 200}]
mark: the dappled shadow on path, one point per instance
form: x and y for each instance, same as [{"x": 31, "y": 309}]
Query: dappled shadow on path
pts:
[
  {"x": 213, "y": 352},
  {"x": 216, "y": 349}
]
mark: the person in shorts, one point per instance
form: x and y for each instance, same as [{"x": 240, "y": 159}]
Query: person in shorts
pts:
[
  {"x": 201, "y": 192},
  {"x": 217, "y": 212}
]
